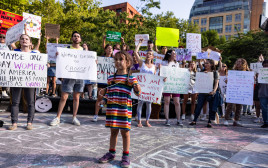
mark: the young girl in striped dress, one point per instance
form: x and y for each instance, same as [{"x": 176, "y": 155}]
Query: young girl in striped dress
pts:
[{"x": 119, "y": 106}]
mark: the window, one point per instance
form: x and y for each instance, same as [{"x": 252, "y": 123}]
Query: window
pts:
[
  {"x": 131, "y": 12},
  {"x": 196, "y": 21},
  {"x": 118, "y": 10},
  {"x": 204, "y": 21},
  {"x": 238, "y": 17},
  {"x": 203, "y": 29},
  {"x": 237, "y": 27},
  {"x": 227, "y": 37},
  {"x": 228, "y": 18},
  {"x": 216, "y": 23},
  {"x": 228, "y": 28}
]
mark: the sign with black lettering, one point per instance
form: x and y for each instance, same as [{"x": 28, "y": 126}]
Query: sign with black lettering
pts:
[
  {"x": 22, "y": 69},
  {"x": 106, "y": 68},
  {"x": 76, "y": 64}
]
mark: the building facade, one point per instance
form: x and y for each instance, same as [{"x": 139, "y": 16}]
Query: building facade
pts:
[
  {"x": 123, "y": 7},
  {"x": 227, "y": 17}
]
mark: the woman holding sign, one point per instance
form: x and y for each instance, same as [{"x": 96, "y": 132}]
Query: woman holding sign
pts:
[
  {"x": 209, "y": 97},
  {"x": 150, "y": 68},
  {"x": 170, "y": 60},
  {"x": 25, "y": 43}
]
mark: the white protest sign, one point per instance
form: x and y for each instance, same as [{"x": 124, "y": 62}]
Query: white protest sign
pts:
[
  {"x": 145, "y": 38},
  {"x": 14, "y": 33},
  {"x": 223, "y": 84},
  {"x": 193, "y": 42},
  {"x": 178, "y": 79},
  {"x": 240, "y": 87},
  {"x": 201, "y": 55},
  {"x": 33, "y": 26},
  {"x": 76, "y": 64},
  {"x": 183, "y": 54},
  {"x": 256, "y": 66},
  {"x": 214, "y": 55},
  {"x": 151, "y": 87},
  {"x": 204, "y": 82},
  {"x": 52, "y": 49},
  {"x": 263, "y": 75},
  {"x": 23, "y": 69},
  {"x": 106, "y": 68}
]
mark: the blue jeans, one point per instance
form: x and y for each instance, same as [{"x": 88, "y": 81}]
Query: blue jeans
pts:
[
  {"x": 202, "y": 97},
  {"x": 264, "y": 108}
]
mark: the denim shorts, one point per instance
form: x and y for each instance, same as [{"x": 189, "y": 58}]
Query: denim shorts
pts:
[
  {"x": 90, "y": 82},
  {"x": 51, "y": 71},
  {"x": 72, "y": 85}
]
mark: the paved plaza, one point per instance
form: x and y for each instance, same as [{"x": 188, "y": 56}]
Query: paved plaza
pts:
[{"x": 69, "y": 146}]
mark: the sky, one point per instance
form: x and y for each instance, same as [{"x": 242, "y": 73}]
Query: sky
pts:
[{"x": 180, "y": 8}]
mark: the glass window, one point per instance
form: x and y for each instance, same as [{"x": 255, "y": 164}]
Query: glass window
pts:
[
  {"x": 228, "y": 18},
  {"x": 203, "y": 29},
  {"x": 216, "y": 23},
  {"x": 196, "y": 21},
  {"x": 204, "y": 21},
  {"x": 228, "y": 28},
  {"x": 237, "y": 27},
  {"x": 238, "y": 17},
  {"x": 227, "y": 37},
  {"x": 118, "y": 10}
]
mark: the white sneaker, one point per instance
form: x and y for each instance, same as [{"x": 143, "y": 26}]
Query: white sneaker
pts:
[
  {"x": 167, "y": 123},
  {"x": 257, "y": 120},
  {"x": 76, "y": 121},
  {"x": 55, "y": 121},
  {"x": 95, "y": 118},
  {"x": 4, "y": 94},
  {"x": 203, "y": 118},
  {"x": 192, "y": 117},
  {"x": 179, "y": 122},
  {"x": 225, "y": 123},
  {"x": 183, "y": 117}
]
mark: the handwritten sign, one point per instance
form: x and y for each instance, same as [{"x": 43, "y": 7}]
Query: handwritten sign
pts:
[
  {"x": 113, "y": 36},
  {"x": 52, "y": 30},
  {"x": 76, "y": 64},
  {"x": 151, "y": 87},
  {"x": 240, "y": 87},
  {"x": 256, "y": 66},
  {"x": 14, "y": 33},
  {"x": 52, "y": 49},
  {"x": 223, "y": 84},
  {"x": 201, "y": 55},
  {"x": 204, "y": 82},
  {"x": 22, "y": 69},
  {"x": 106, "y": 68},
  {"x": 178, "y": 79},
  {"x": 33, "y": 26},
  {"x": 183, "y": 54},
  {"x": 7, "y": 20},
  {"x": 263, "y": 75},
  {"x": 167, "y": 36},
  {"x": 214, "y": 55},
  {"x": 193, "y": 42},
  {"x": 145, "y": 38},
  {"x": 157, "y": 57}
]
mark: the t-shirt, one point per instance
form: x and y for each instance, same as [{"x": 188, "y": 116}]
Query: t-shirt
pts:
[
  {"x": 3, "y": 46},
  {"x": 19, "y": 50},
  {"x": 71, "y": 47},
  {"x": 263, "y": 90}
]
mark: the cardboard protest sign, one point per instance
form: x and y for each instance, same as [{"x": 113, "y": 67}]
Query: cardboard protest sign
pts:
[
  {"x": 52, "y": 49},
  {"x": 178, "y": 79},
  {"x": 183, "y": 54},
  {"x": 14, "y": 33},
  {"x": 240, "y": 87},
  {"x": 113, "y": 36},
  {"x": 167, "y": 36},
  {"x": 193, "y": 42},
  {"x": 23, "y": 69},
  {"x": 33, "y": 27},
  {"x": 106, "y": 68},
  {"x": 145, "y": 38},
  {"x": 151, "y": 87},
  {"x": 263, "y": 75},
  {"x": 256, "y": 66},
  {"x": 204, "y": 82},
  {"x": 214, "y": 55},
  {"x": 52, "y": 30},
  {"x": 201, "y": 55},
  {"x": 76, "y": 64},
  {"x": 7, "y": 20}
]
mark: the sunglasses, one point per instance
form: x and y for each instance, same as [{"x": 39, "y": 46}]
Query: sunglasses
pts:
[{"x": 2, "y": 37}]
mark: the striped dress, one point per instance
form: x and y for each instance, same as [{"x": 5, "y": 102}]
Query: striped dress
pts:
[{"x": 119, "y": 102}]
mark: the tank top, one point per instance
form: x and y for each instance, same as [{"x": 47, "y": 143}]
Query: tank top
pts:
[{"x": 145, "y": 69}]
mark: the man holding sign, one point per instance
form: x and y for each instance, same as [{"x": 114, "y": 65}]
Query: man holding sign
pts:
[{"x": 75, "y": 86}]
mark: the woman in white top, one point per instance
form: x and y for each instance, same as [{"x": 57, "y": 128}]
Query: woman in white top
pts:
[
  {"x": 170, "y": 60},
  {"x": 145, "y": 67}
]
